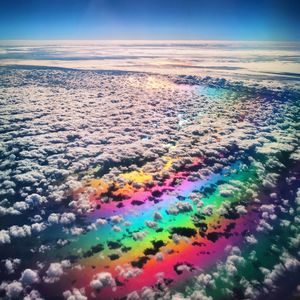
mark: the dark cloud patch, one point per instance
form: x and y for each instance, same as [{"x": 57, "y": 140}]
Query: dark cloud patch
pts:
[
  {"x": 184, "y": 231},
  {"x": 94, "y": 249}
]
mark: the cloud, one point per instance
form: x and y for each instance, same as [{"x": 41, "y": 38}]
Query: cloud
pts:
[
  {"x": 233, "y": 261},
  {"x": 21, "y": 206},
  {"x": 128, "y": 272},
  {"x": 241, "y": 209},
  {"x": 76, "y": 230},
  {"x": 4, "y": 237},
  {"x": 208, "y": 210},
  {"x": 38, "y": 227},
  {"x": 54, "y": 218},
  {"x": 139, "y": 235},
  {"x": 102, "y": 279},
  {"x": 29, "y": 277},
  {"x": 200, "y": 295},
  {"x": 116, "y": 228},
  {"x": 55, "y": 271},
  {"x": 205, "y": 280},
  {"x": 179, "y": 207},
  {"x": 20, "y": 231},
  {"x": 251, "y": 239},
  {"x": 33, "y": 295},
  {"x": 35, "y": 199},
  {"x": 116, "y": 219},
  {"x": 13, "y": 290},
  {"x": 147, "y": 293},
  {"x": 75, "y": 294},
  {"x": 159, "y": 256},
  {"x": 12, "y": 264},
  {"x": 151, "y": 224},
  {"x": 157, "y": 216},
  {"x": 264, "y": 226},
  {"x": 273, "y": 275},
  {"x": 67, "y": 218},
  {"x": 133, "y": 296},
  {"x": 101, "y": 221}
]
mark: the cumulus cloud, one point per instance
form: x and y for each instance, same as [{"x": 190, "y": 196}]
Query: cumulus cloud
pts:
[
  {"x": 75, "y": 294},
  {"x": 157, "y": 216},
  {"x": 264, "y": 226},
  {"x": 116, "y": 228},
  {"x": 33, "y": 295},
  {"x": 133, "y": 296},
  {"x": 100, "y": 221},
  {"x": 180, "y": 206},
  {"x": 151, "y": 224},
  {"x": 116, "y": 219},
  {"x": 241, "y": 209},
  {"x": 67, "y": 218},
  {"x": 251, "y": 239},
  {"x": 128, "y": 272},
  {"x": 29, "y": 277},
  {"x": 55, "y": 271},
  {"x": 159, "y": 256},
  {"x": 35, "y": 199},
  {"x": 38, "y": 227},
  {"x": 139, "y": 235},
  {"x": 20, "y": 231},
  {"x": 21, "y": 206},
  {"x": 4, "y": 237},
  {"x": 53, "y": 218},
  {"x": 13, "y": 290},
  {"x": 147, "y": 293},
  {"x": 12, "y": 264},
  {"x": 102, "y": 279},
  {"x": 233, "y": 261}
]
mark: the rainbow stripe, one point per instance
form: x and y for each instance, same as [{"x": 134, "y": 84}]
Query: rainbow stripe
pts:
[{"x": 200, "y": 250}]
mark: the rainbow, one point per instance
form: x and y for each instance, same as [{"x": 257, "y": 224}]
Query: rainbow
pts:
[{"x": 201, "y": 239}]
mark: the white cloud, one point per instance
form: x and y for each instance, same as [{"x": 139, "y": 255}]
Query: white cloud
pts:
[
  {"x": 4, "y": 237},
  {"x": 67, "y": 218},
  {"x": 101, "y": 221},
  {"x": 151, "y": 224},
  {"x": 139, "y": 235},
  {"x": 53, "y": 218},
  {"x": 147, "y": 293},
  {"x": 35, "y": 199},
  {"x": 75, "y": 294},
  {"x": 13, "y": 289},
  {"x": 241, "y": 209},
  {"x": 38, "y": 227},
  {"x": 102, "y": 279},
  {"x": 12, "y": 264},
  {"x": 54, "y": 272},
  {"x": 133, "y": 296},
  {"x": 29, "y": 277},
  {"x": 116, "y": 219},
  {"x": 127, "y": 271},
  {"x": 20, "y": 231},
  {"x": 33, "y": 295},
  {"x": 251, "y": 239}
]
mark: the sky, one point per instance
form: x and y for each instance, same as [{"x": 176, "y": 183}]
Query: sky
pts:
[{"x": 152, "y": 19}]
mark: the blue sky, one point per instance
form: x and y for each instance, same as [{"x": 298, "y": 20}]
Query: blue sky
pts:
[{"x": 152, "y": 19}]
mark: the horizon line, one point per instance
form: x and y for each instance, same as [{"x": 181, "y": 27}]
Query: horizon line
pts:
[{"x": 158, "y": 39}]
